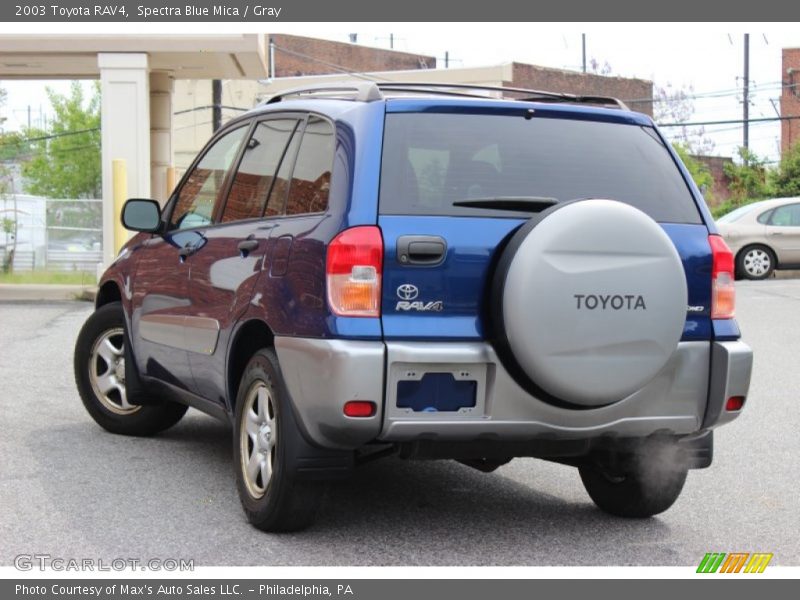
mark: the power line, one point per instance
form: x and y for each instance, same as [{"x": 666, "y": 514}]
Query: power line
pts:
[
  {"x": 210, "y": 106},
  {"x": 769, "y": 86},
  {"x": 48, "y": 137},
  {"x": 729, "y": 121},
  {"x": 330, "y": 65}
]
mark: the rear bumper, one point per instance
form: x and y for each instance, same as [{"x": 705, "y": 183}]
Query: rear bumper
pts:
[{"x": 321, "y": 375}]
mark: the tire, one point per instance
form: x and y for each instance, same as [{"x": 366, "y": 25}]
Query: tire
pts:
[
  {"x": 264, "y": 429},
  {"x": 99, "y": 364},
  {"x": 647, "y": 487},
  {"x": 755, "y": 262}
]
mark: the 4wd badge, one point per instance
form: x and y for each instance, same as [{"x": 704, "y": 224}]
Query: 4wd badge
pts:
[{"x": 407, "y": 294}]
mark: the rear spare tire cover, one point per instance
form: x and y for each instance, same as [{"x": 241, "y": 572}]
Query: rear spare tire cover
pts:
[{"x": 592, "y": 301}]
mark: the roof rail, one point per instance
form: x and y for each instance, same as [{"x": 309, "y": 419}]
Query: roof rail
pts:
[
  {"x": 370, "y": 91},
  {"x": 530, "y": 95},
  {"x": 361, "y": 91}
]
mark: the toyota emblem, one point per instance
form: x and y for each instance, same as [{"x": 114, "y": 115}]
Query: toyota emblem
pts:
[{"x": 407, "y": 291}]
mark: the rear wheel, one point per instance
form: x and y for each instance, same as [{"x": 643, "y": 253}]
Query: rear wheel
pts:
[
  {"x": 100, "y": 376},
  {"x": 755, "y": 262},
  {"x": 647, "y": 485},
  {"x": 264, "y": 428}
]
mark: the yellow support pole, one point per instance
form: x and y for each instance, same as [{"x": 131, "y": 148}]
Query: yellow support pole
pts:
[
  {"x": 119, "y": 177},
  {"x": 170, "y": 181}
]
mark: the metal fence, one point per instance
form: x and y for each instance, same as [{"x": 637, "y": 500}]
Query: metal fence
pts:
[{"x": 51, "y": 234}]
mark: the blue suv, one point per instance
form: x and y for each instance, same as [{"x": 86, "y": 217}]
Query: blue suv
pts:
[{"x": 431, "y": 271}]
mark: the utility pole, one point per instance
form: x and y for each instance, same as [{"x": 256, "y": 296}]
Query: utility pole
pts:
[
  {"x": 746, "y": 112},
  {"x": 446, "y": 59},
  {"x": 583, "y": 45},
  {"x": 216, "y": 104},
  {"x": 391, "y": 41}
]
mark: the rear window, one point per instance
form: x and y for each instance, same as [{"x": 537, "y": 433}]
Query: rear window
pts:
[{"x": 432, "y": 160}]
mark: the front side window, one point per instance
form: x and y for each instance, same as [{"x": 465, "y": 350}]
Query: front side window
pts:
[
  {"x": 786, "y": 216},
  {"x": 201, "y": 189},
  {"x": 311, "y": 179},
  {"x": 264, "y": 153}
]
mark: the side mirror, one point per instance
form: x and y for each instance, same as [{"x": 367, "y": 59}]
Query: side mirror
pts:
[{"x": 139, "y": 214}]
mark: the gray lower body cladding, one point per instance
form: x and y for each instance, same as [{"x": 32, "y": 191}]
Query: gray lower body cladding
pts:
[{"x": 683, "y": 398}]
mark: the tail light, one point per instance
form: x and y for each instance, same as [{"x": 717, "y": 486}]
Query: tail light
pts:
[
  {"x": 353, "y": 272},
  {"x": 723, "y": 293}
]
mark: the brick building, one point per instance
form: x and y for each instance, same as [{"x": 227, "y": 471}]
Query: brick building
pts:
[
  {"x": 301, "y": 61},
  {"x": 296, "y": 56},
  {"x": 720, "y": 191},
  {"x": 636, "y": 93},
  {"x": 790, "y": 98}
]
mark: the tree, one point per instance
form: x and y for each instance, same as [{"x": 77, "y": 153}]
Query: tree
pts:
[
  {"x": 3, "y": 96},
  {"x": 7, "y": 223},
  {"x": 699, "y": 171},
  {"x": 786, "y": 178},
  {"x": 66, "y": 164},
  {"x": 749, "y": 178},
  {"x": 676, "y": 105}
]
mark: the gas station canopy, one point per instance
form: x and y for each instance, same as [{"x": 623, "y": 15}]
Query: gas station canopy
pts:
[{"x": 232, "y": 56}]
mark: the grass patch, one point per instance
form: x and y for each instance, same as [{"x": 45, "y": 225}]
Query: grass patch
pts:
[{"x": 52, "y": 277}]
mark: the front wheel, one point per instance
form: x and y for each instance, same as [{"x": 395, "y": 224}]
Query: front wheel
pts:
[
  {"x": 647, "y": 486},
  {"x": 100, "y": 376},
  {"x": 264, "y": 427}
]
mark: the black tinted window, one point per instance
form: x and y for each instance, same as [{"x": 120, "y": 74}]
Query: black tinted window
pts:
[
  {"x": 432, "y": 160},
  {"x": 308, "y": 192},
  {"x": 254, "y": 178},
  {"x": 201, "y": 189}
]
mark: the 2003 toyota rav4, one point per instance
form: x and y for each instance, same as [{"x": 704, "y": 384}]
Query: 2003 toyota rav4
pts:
[{"x": 351, "y": 272}]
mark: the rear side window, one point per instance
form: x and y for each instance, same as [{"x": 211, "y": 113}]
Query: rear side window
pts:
[
  {"x": 254, "y": 178},
  {"x": 763, "y": 218},
  {"x": 431, "y": 160},
  {"x": 311, "y": 179}
]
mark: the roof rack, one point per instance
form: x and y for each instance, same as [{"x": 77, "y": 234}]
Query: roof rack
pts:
[
  {"x": 361, "y": 91},
  {"x": 370, "y": 91},
  {"x": 530, "y": 95}
]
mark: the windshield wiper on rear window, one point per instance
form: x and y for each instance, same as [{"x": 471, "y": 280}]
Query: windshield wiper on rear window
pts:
[{"x": 515, "y": 203}]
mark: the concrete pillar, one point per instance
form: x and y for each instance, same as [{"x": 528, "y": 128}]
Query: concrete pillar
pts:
[
  {"x": 125, "y": 134},
  {"x": 161, "y": 87}
]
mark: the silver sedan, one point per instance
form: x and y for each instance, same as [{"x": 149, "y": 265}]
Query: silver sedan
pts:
[{"x": 763, "y": 236}]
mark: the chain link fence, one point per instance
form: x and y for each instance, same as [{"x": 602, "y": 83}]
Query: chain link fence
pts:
[{"x": 50, "y": 234}]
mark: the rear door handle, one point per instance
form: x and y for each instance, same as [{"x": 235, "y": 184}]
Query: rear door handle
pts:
[
  {"x": 247, "y": 246},
  {"x": 423, "y": 250}
]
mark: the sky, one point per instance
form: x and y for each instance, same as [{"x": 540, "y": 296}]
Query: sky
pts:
[{"x": 705, "y": 58}]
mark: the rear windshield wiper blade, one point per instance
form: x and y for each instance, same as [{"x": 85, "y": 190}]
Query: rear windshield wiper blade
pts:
[{"x": 514, "y": 203}]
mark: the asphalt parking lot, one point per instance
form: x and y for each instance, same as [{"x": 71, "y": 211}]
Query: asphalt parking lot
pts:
[{"x": 69, "y": 489}]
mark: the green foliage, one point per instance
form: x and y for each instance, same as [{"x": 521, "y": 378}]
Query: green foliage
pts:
[
  {"x": 749, "y": 178},
  {"x": 3, "y": 96},
  {"x": 14, "y": 147},
  {"x": 67, "y": 166},
  {"x": 786, "y": 178},
  {"x": 699, "y": 171}
]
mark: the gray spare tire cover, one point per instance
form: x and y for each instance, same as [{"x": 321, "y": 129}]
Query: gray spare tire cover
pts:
[{"x": 589, "y": 302}]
